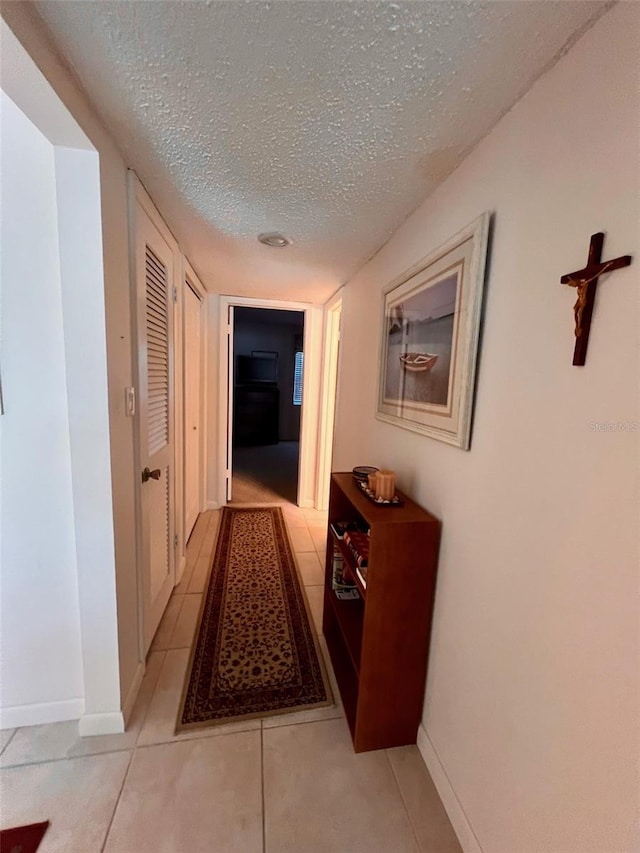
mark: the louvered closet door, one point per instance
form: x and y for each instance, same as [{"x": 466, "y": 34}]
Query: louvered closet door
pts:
[{"x": 155, "y": 347}]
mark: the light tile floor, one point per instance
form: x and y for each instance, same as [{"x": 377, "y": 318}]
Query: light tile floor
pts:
[{"x": 286, "y": 784}]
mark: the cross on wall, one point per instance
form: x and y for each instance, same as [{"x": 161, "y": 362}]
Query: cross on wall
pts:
[{"x": 586, "y": 281}]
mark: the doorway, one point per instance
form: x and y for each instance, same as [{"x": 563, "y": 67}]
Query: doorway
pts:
[{"x": 268, "y": 369}]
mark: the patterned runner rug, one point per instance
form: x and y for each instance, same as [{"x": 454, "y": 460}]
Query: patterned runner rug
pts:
[{"x": 256, "y": 653}]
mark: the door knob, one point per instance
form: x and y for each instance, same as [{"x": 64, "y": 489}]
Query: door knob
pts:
[{"x": 147, "y": 474}]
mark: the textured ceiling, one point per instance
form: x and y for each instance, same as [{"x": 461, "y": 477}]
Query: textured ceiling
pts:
[{"x": 328, "y": 121}]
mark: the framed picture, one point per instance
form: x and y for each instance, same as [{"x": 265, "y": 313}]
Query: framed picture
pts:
[{"x": 430, "y": 330}]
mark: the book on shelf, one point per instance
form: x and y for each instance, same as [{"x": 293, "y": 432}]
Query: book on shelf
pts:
[
  {"x": 338, "y": 579},
  {"x": 341, "y": 527},
  {"x": 358, "y": 542},
  {"x": 361, "y": 571},
  {"x": 347, "y": 594}
]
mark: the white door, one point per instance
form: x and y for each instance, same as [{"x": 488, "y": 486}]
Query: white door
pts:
[
  {"x": 154, "y": 285},
  {"x": 192, "y": 406}
]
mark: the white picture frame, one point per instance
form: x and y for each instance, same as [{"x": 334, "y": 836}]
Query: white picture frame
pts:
[{"x": 430, "y": 331}]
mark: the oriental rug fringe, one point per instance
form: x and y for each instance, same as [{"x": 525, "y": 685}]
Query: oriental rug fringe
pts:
[{"x": 255, "y": 653}]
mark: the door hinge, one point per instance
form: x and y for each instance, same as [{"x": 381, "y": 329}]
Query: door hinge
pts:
[
  {"x": 174, "y": 293},
  {"x": 175, "y": 540}
]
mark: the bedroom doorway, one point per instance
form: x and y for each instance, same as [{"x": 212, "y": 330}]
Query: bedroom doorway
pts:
[
  {"x": 268, "y": 361},
  {"x": 310, "y": 365}
]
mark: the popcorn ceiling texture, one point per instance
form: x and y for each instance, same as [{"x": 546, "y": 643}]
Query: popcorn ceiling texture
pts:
[{"x": 328, "y": 121}]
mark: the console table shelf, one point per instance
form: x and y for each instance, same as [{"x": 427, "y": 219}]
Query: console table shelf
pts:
[{"x": 379, "y": 644}]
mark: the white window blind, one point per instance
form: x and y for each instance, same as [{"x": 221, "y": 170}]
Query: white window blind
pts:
[{"x": 297, "y": 379}]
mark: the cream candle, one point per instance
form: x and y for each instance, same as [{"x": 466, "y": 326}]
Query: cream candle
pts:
[{"x": 385, "y": 485}]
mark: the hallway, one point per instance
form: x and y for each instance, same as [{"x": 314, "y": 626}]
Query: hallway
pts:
[
  {"x": 342, "y": 160},
  {"x": 284, "y": 784}
]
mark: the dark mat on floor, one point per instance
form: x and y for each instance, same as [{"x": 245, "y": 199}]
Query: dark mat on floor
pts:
[{"x": 22, "y": 839}]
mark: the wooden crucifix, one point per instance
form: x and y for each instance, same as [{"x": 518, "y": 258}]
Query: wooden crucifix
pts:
[{"x": 586, "y": 281}]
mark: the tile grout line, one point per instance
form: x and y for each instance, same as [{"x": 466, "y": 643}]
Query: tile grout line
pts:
[
  {"x": 197, "y": 546},
  {"x": 187, "y": 738},
  {"x": 264, "y": 814},
  {"x": 137, "y": 746},
  {"x": 175, "y": 625},
  {"x": 173, "y": 648},
  {"x": 403, "y": 801},
  {"x": 192, "y": 540},
  {"x": 153, "y": 693},
  {"x": 305, "y": 723},
  {"x": 214, "y": 526},
  {"x": 118, "y": 798},
  {"x": 65, "y": 757},
  {"x": 11, "y": 737},
  {"x": 197, "y": 553},
  {"x": 133, "y": 752},
  {"x": 172, "y": 598}
]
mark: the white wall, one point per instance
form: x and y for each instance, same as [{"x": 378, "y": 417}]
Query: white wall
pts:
[
  {"x": 113, "y": 185},
  {"x": 41, "y": 673},
  {"x": 531, "y": 712},
  {"x": 82, "y": 278}
]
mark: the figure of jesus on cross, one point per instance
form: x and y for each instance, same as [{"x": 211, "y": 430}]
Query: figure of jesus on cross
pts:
[{"x": 585, "y": 281}]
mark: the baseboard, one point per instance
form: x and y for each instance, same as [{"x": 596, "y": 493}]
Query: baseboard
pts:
[
  {"x": 452, "y": 805},
  {"x": 38, "y": 714},
  {"x": 213, "y": 505},
  {"x": 111, "y": 723},
  {"x": 307, "y": 503},
  {"x": 132, "y": 695}
]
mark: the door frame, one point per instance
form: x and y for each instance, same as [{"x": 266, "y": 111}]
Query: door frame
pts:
[
  {"x": 190, "y": 279},
  {"x": 330, "y": 369},
  {"x": 312, "y": 343}
]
